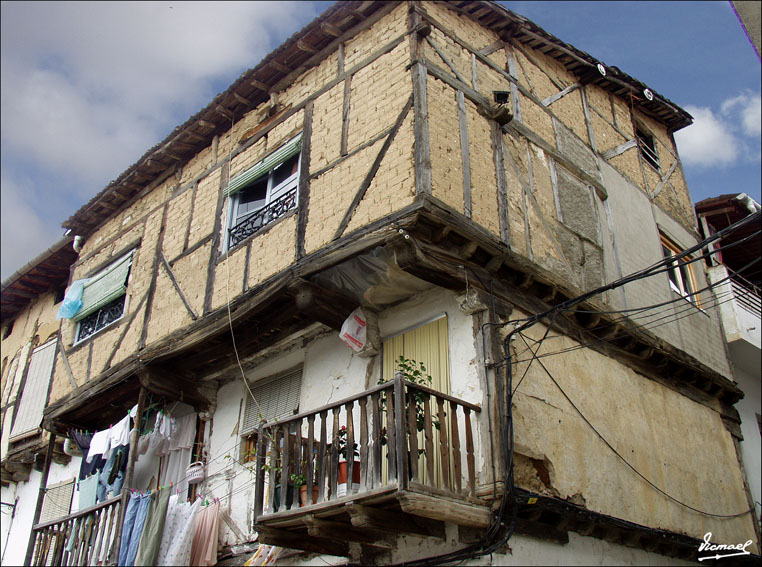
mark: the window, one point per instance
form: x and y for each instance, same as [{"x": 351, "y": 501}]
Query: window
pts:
[
  {"x": 276, "y": 398},
  {"x": 680, "y": 272},
  {"x": 103, "y": 298},
  {"x": 57, "y": 501},
  {"x": 34, "y": 396},
  {"x": 647, "y": 145},
  {"x": 264, "y": 192}
]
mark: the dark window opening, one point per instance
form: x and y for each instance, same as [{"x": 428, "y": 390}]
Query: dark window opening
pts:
[{"x": 647, "y": 145}]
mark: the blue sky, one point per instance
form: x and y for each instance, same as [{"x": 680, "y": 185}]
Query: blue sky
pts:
[{"x": 87, "y": 87}]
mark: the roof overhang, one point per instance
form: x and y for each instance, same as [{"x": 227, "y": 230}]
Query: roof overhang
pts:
[{"x": 306, "y": 49}]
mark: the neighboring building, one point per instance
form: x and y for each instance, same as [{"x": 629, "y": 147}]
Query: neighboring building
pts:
[
  {"x": 449, "y": 168},
  {"x": 736, "y": 272},
  {"x": 30, "y": 339}
]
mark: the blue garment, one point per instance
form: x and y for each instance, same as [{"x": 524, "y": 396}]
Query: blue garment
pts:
[
  {"x": 118, "y": 461},
  {"x": 132, "y": 529}
]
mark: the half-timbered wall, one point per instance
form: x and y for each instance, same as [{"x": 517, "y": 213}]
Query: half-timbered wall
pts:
[
  {"x": 563, "y": 184},
  {"x": 354, "y": 112}
]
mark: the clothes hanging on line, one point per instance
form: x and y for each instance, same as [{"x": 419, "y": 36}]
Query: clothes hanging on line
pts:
[
  {"x": 132, "y": 528},
  {"x": 88, "y": 489},
  {"x": 111, "y": 478},
  {"x": 86, "y": 468},
  {"x": 179, "y": 529},
  {"x": 204, "y": 546},
  {"x": 153, "y": 529},
  {"x": 100, "y": 444}
]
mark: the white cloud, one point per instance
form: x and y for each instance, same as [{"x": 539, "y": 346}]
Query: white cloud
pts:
[
  {"x": 721, "y": 139},
  {"x": 746, "y": 109},
  {"x": 23, "y": 232},
  {"x": 708, "y": 142},
  {"x": 88, "y": 87}
]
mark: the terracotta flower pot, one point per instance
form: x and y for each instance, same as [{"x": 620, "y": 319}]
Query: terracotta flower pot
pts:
[
  {"x": 343, "y": 473},
  {"x": 303, "y": 494}
]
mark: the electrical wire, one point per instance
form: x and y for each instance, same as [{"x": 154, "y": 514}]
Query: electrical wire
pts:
[{"x": 625, "y": 461}]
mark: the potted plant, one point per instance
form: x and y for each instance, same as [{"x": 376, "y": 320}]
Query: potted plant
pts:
[
  {"x": 342, "y": 471},
  {"x": 415, "y": 372},
  {"x": 300, "y": 482}
]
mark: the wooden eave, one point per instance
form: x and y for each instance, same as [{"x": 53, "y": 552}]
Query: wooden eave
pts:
[
  {"x": 200, "y": 355},
  {"x": 48, "y": 271},
  {"x": 507, "y": 25},
  {"x": 307, "y": 48},
  {"x": 301, "y": 51}
]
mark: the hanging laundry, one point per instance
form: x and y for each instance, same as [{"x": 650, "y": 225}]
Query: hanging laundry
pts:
[
  {"x": 204, "y": 547},
  {"x": 162, "y": 432},
  {"x": 179, "y": 528},
  {"x": 153, "y": 529},
  {"x": 132, "y": 529},
  {"x": 174, "y": 466},
  {"x": 87, "y": 491},
  {"x": 99, "y": 444},
  {"x": 120, "y": 433},
  {"x": 86, "y": 468},
  {"x": 111, "y": 477}
]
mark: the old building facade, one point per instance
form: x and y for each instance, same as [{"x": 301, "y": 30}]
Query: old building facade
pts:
[{"x": 454, "y": 171}]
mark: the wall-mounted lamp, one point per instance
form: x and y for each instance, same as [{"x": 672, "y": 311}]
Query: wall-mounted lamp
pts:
[{"x": 501, "y": 97}]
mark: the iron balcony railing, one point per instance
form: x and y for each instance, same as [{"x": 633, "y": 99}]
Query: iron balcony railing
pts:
[
  {"x": 86, "y": 537},
  {"x": 746, "y": 295},
  {"x": 262, "y": 217},
  {"x": 396, "y": 434}
]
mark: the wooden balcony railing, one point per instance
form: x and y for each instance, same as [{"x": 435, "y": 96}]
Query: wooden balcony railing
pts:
[
  {"x": 84, "y": 538},
  {"x": 402, "y": 434}
]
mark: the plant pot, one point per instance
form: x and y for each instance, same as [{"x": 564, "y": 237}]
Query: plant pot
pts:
[
  {"x": 341, "y": 489},
  {"x": 289, "y": 497},
  {"x": 303, "y": 495}
]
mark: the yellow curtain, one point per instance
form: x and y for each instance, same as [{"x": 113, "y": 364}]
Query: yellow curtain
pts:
[{"x": 426, "y": 344}]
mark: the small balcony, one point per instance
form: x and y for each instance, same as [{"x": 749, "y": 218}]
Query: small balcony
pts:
[
  {"x": 740, "y": 308},
  {"x": 398, "y": 458},
  {"x": 86, "y": 537}
]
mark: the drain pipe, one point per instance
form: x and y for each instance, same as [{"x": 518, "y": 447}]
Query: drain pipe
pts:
[{"x": 77, "y": 243}]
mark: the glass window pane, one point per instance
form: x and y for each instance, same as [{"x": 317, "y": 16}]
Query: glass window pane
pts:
[{"x": 252, "y": 198}]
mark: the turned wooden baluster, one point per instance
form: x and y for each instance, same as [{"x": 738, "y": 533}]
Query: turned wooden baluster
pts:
[
  {"x": 376, "y": 426},
  {"x": 363, "y": 444},
  {"x": 412, "y": 426},
  {"x": 310, "y": 456},
  {"x": 350, "y": 447},
  {"x": 428, "y": 434},
  {"x": 322, "y": 460},
  {"x": 444, "y": 451},
  {"x": 455, "y": 447},
  {"x": 470, "y": 454}
]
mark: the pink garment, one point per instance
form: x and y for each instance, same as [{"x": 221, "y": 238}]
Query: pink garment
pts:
[{"x": 204, "y": 547}]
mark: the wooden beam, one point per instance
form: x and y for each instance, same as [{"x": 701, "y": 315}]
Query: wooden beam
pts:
[
  {"x": 439, "y": 508},
  {"x": 264, "y": 87},
  {"x": 373, "y": 169},
  {"x": 330, "y": 29},
  {"x": 422, "y": 147},
  {"x": 324, "y": 305},
  {"x": 241, "y": 99},
  {"x": 304, "y": 182},
  {"x": 395, "y": 522},
  {"x": 292, "y": 540},
  {"x": 279, "y": 66},
  {"x": 464, "y": 152},
  {"x": 341, "y": 531},
  {"x": 302, "y": 45}
]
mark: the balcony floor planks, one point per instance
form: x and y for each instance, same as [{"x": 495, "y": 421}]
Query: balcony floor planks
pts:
[{"x": 420, "y": 506}]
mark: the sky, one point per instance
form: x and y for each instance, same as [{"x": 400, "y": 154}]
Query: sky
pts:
[{"x": 86, "y": 88}]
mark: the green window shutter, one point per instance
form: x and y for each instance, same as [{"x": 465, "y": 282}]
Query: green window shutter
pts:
[
  {"x": 105, "y": 287},
  {"x": 261, "y": 168}
]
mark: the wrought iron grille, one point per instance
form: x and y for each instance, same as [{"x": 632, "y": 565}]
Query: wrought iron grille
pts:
[
  {"x": 256, "y": 220},
  {"x": 101, "y": 318}
]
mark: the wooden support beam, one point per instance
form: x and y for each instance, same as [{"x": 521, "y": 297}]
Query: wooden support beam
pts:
[
  {"x": 322, "y": 304},
  {"x": 306, "y": 47},
  {"x": 279, "y": 66},
  {"x": 291, "y": 540},
  {"x": 264, "y": 87},
  {"x": 330, "y": 29},
  {"x": 396, "y": 522},
  {"x": 440, "y": 508},
  {"x": 242, "y": 100},
  {"x": 341, "y": 531}
]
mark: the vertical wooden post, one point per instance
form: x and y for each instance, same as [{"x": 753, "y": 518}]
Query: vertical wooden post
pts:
[
  {"x": 40, "y": 497},
  {"x": 399, "y": 426},
  {"x": 259, "y": 489},
  {"x": 114, "y": 555}
]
